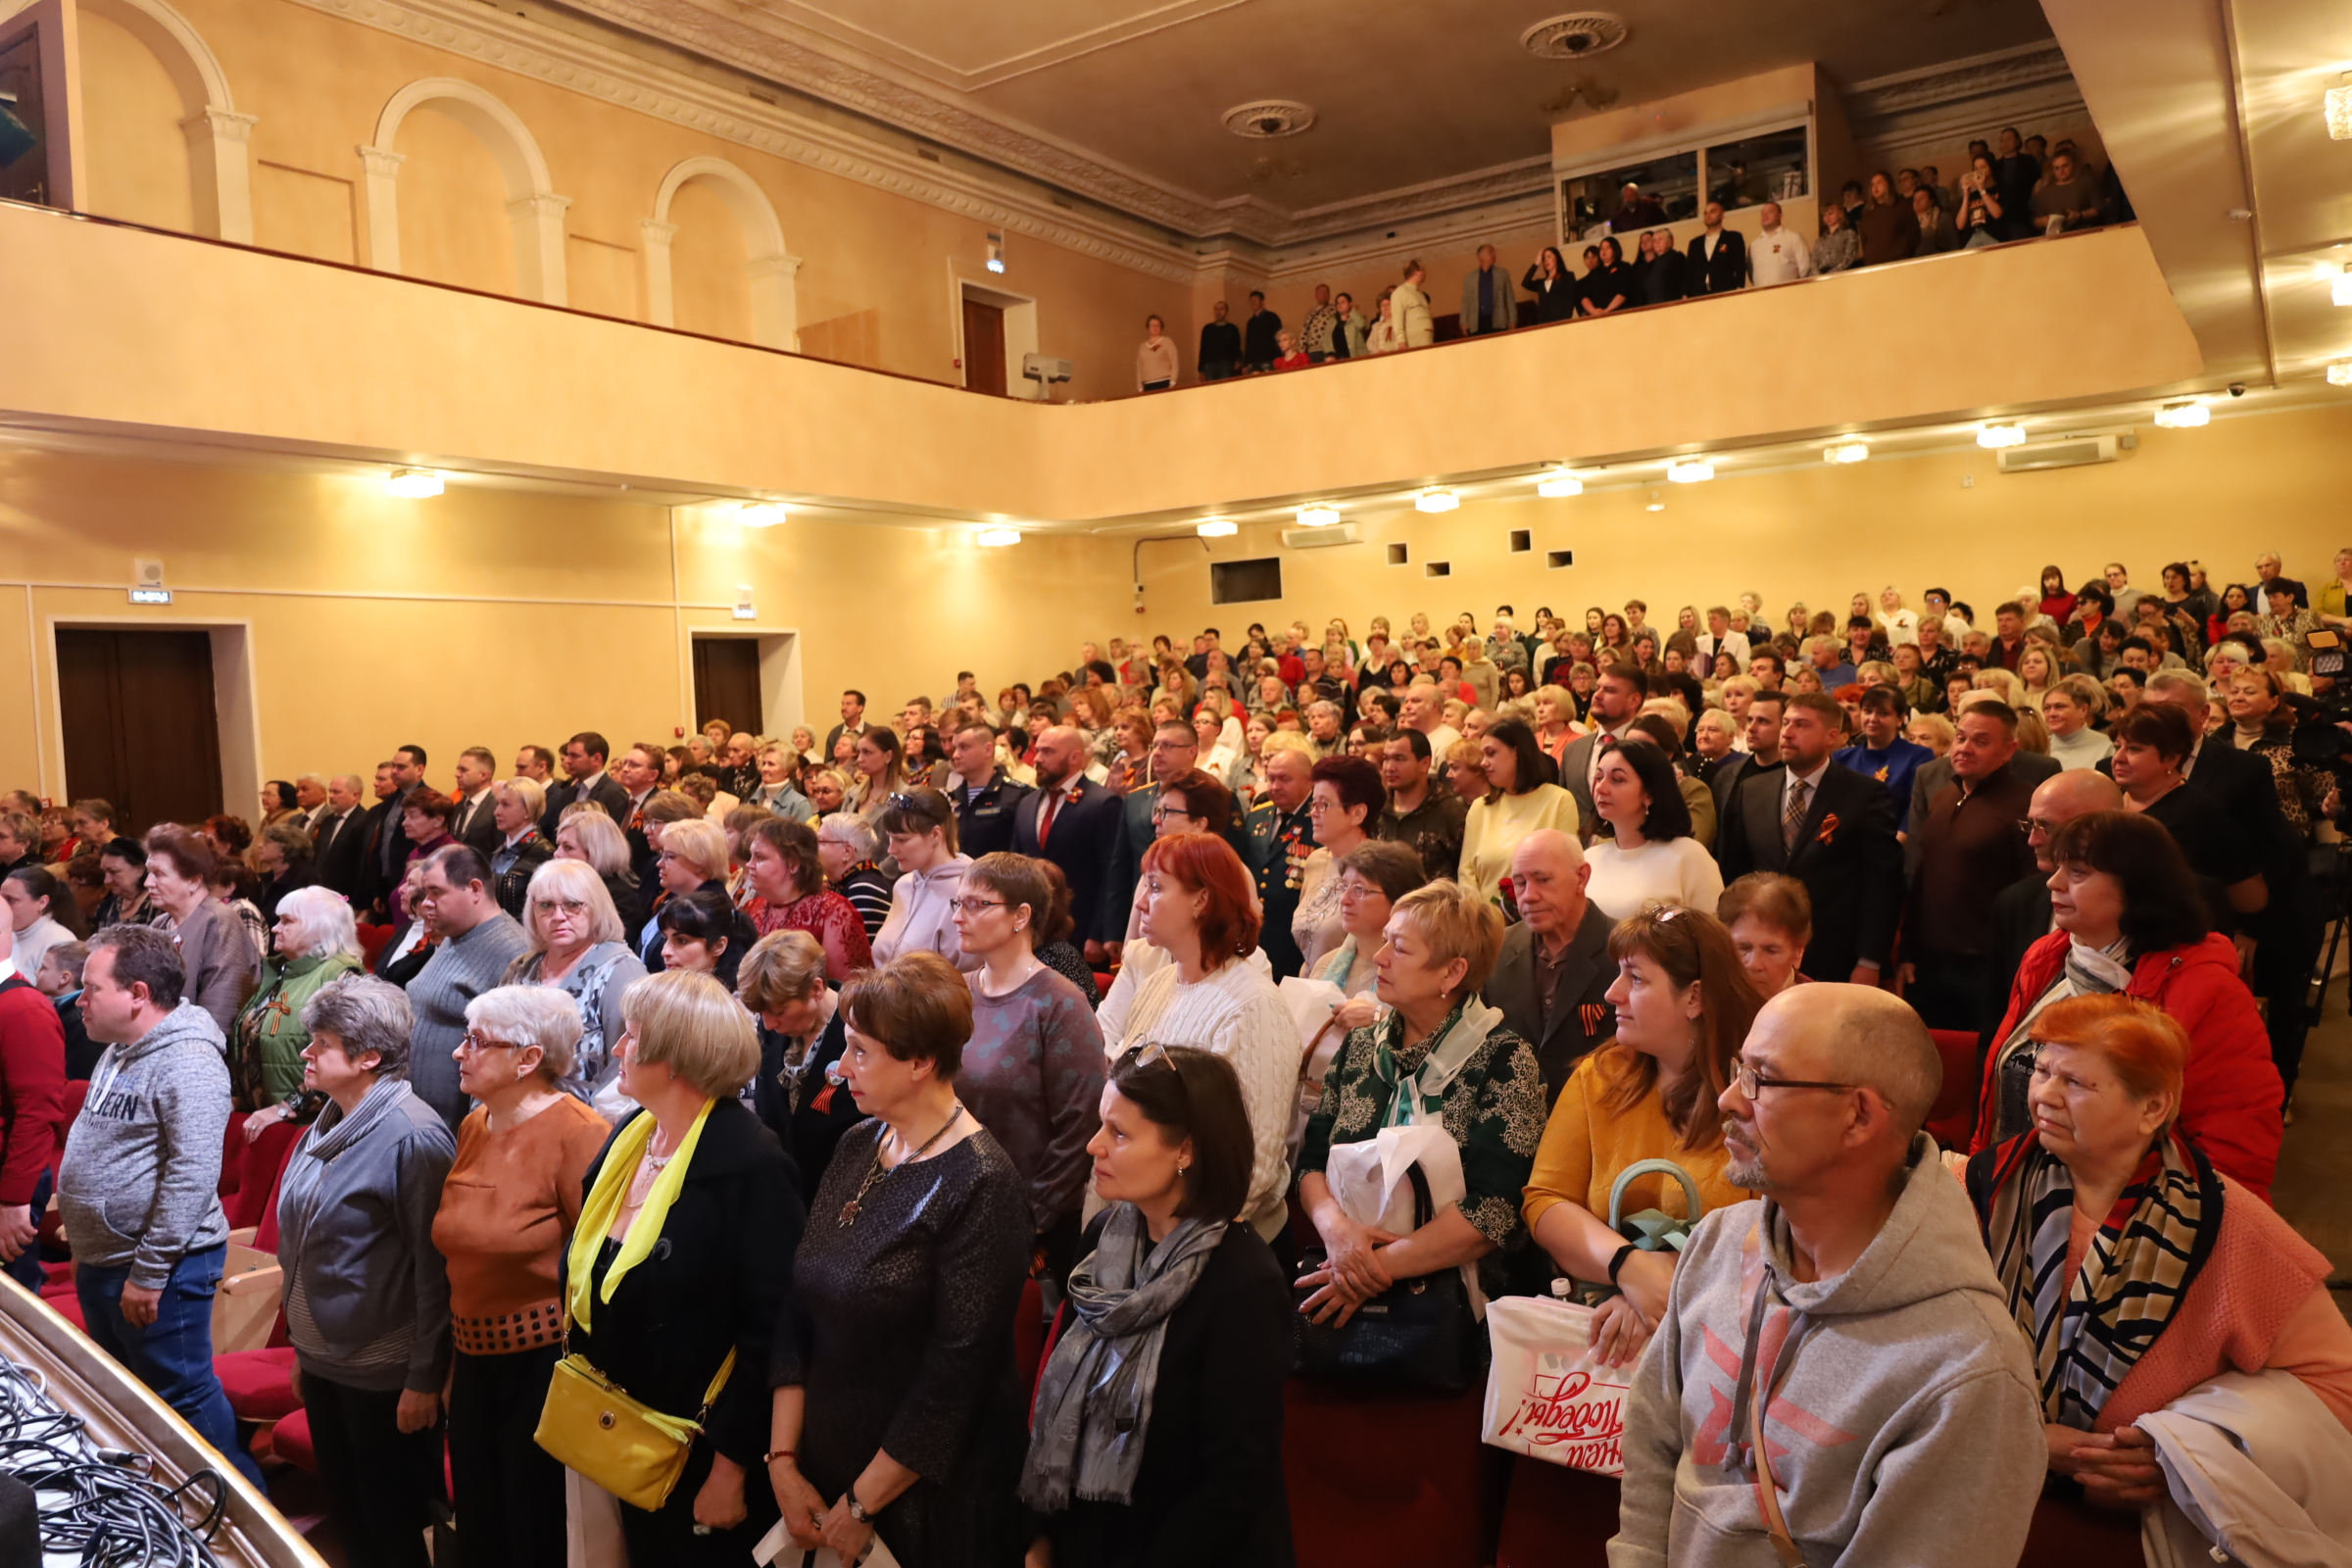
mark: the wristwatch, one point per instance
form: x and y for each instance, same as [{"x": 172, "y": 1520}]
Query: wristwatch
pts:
[{"x": 857, "y": 1508}]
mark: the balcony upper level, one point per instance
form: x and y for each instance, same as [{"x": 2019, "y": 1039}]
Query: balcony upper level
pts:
[{"x": 132, "y": 333}]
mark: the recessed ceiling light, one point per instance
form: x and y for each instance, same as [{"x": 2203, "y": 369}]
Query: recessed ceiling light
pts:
[
  {"x": 996, "y": 538},
  {"x": 1216, "y": 529},
  {"x": 1318, "y": 516},
  {"x": 1845, "y": 452},
  {"x": 413, "y": 484},
  {"x": 1690, "y": 470},
  {"x": 761, "y": 513},
  {"x": 2183, "y": 415},
  {"x": 1559, "y": 482},
  {"x": 2338, "y": 105},
  {"x": 1436, "y": 501},
  {"x": 2001, "y": 435},
  {"x": 2340, "y": 374}
]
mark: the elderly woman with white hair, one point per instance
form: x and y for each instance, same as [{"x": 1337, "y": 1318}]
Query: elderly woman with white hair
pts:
[
  {"x": 851, "y": 853},
  {"x": 366, "y": 1295},
  {"x": 508, "y": 1207},
  {"x": 515, "y": 808},
  {"x": 576, "y": 948},
  {"x": 317, "y": 943}
]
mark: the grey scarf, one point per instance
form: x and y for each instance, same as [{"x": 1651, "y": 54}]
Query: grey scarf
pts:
[{"x": 1094, "y": 1401}]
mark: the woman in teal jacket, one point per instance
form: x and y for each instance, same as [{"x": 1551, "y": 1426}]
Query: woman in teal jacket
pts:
[{"x": 313, "y": 943}]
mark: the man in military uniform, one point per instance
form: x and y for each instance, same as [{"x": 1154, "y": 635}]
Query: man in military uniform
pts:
[
  {"x": 987, "y": 800},
  {"x": 1280, "y": 833}
]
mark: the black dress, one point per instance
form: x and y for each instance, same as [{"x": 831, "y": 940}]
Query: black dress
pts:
[
  {"x": 805, "y": 1110},
  {"x": 1210, "y": 1487},
  {"x": 900, "y": 1328},
  {"x": 716, "y": 1279}
]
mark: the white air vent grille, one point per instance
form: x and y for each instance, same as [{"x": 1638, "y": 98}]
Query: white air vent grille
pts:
[
  {"x": 2068, "y": 454},
  {"x": 1338, "y": 534}
]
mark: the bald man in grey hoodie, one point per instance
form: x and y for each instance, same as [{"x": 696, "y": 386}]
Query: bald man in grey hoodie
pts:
[{"x": 1851, "y": 1316}]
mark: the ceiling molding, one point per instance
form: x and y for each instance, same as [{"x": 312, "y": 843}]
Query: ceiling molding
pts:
[
  {"x": 1957, "y": 81},
  {"x": 1086, "y": 41},
  {"x": 630, "y": 81}
]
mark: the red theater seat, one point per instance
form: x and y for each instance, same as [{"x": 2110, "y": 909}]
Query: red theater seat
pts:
[
  {"x": 2067, "y": 1534},
  {"x": 260, "y": 1383},
  {"x": 1952, "y": 1120},
  {"x": 290, "y": 1441},
  {"x": 1556, "y": 1517},
  {"x": 1382, "y": 1479}
]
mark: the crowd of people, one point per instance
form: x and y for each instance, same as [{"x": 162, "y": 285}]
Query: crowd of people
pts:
[
  {"x": 2013, "y": 187},
  {"x": 768, "y": 1081}
]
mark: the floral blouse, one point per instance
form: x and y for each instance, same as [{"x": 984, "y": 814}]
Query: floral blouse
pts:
[{"x": 1493, "y": 1109}]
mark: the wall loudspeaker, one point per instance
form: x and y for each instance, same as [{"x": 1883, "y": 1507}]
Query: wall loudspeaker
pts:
[{"x": 147, "y": 574}]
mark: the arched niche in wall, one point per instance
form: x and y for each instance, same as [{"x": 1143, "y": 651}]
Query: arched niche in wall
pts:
[
  {"x": 533, "y": 208},
  {"x": 220, "y": 139},
  {"x": 770, "y": 267}
]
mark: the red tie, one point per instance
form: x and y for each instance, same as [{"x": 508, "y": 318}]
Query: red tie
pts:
[{"x": 1045, "y": 818}]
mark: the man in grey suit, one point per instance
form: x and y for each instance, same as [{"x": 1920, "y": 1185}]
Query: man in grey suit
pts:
[
  {"x": 1552, "y": 977},
  {"x": 584, "y": 761},
  {"x": 1616, "y": 703}
]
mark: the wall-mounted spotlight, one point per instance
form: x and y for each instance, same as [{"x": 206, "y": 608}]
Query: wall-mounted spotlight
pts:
[
  {"x": 1557, "y": 484},
  {"x": 1216, "y": 529},
  {"x": 1318, "y": 516},
  {"x": 1690, "y": 471},
  {"x": 997, "y": 538},
  {"x": 413, "y": 484},
  {"x": 2183, "y": 415},
  {"x": 1847, "y": 452},
  {"x": 2001, "y": 435}
]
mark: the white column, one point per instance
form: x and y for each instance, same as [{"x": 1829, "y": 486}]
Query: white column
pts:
[
  {"x": 775, "y": 309},
  {"x": 539, "y": 270},
  {"x": 660, "y": 305},
  {"x": 220, "y": 162},
  {"x": 382, "y": 175}
]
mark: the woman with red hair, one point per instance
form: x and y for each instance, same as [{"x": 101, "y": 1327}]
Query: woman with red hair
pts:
[
  {"x": 2135, "y": 1270},
  {"x": 1200, "y": 908}
]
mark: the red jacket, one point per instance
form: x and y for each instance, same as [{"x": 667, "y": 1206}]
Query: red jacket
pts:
[
  {"x": 2230, "y": 1101},
  {"x": 32, "y": 1088}
]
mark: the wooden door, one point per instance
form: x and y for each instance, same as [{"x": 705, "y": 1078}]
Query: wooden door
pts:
[
  {"x": 983, "y": 347},
  {"x": 726, "y": 682},
  {"x": 141, "y": 732}
]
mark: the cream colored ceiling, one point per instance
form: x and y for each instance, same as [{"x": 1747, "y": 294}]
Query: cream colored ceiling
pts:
[
  {"x": 2211, "y": 110},
  {"x": 1416, "y": 105}
]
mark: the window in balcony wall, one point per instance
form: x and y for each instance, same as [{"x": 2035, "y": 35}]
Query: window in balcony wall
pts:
[
  {"x": 1593, "y": 203},
  {"x": 1754, "y": 170}
]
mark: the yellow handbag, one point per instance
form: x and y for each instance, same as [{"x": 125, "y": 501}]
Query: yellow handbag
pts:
[{"x": 593, "y": 1425}]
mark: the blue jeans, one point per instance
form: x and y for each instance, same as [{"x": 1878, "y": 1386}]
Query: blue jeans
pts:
[{"x": 173, "y": 1355}]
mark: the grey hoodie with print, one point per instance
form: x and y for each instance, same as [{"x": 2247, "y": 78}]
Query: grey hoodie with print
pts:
[
  {"x": 1903, "y": 1426},
  {"x": 140, "y": 1182}
]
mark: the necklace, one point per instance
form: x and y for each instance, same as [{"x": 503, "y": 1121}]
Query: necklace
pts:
[{"x": 877, "y": 1170}]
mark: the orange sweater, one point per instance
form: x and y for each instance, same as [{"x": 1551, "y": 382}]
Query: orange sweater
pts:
[
  {"x": 1586, "y": 1144},
  {"x": 507, "y": 1211}
]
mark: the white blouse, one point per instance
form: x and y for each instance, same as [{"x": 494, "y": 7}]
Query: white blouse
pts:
[
  {"x": 1236, "y": 1014},
  {"x": 1673, "y": 870}
]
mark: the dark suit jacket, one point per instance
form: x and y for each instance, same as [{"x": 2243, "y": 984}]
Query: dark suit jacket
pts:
[
  {"x": 1855, "y": 880},
  {"x": 476, "y": 823},
  {"x": 2247, "y": 789},
  {"x": 2021, "y": 918},
  {"x": 607, "y": 792},
  {"x": 1725, "y": 778},
  {"x": 1086, "y": 836},
  {"x": 1585, "y": 981},
  {"x": 374, "y": 882},
  {"x": 337, "y": 851},
  {"x": 1727, "y": 269},
  {"x": 984, "y": 824}
]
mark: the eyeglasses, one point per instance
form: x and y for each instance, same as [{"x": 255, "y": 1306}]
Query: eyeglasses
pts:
[
  {"x": 975, "y": 905},
  {"x": 1752, "y": 1083},
  {"x": 1163, "y": 813},
  {"x": 572, "y": 907},
  {"x": 2031, "y": 825},
  {"x": 474, "y": 1042}
]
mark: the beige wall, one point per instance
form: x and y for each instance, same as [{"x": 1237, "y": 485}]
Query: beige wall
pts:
[
  {"x": 496, "y": 616},
  {"x": 1816, "y": 533}
]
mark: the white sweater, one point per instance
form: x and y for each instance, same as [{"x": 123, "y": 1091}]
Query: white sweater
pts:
[
  {"x": 1675, "y": 870},
  {"x": 1238, "y": 1014}
]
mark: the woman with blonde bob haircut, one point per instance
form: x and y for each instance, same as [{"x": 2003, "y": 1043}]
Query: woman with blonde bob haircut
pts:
[
  {"x": 678, "y": 1269},
  {"x": 577, "y": 948},
  {"x": 2133, "y": 1269},
  {"x": 1684, "y": 1006},
  {"x": 1441, "y": 1056},
  {"x": 587, "y": 835}
]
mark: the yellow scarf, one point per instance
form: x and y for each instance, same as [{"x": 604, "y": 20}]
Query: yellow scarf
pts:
[{"x": 604, "y": 1207}]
